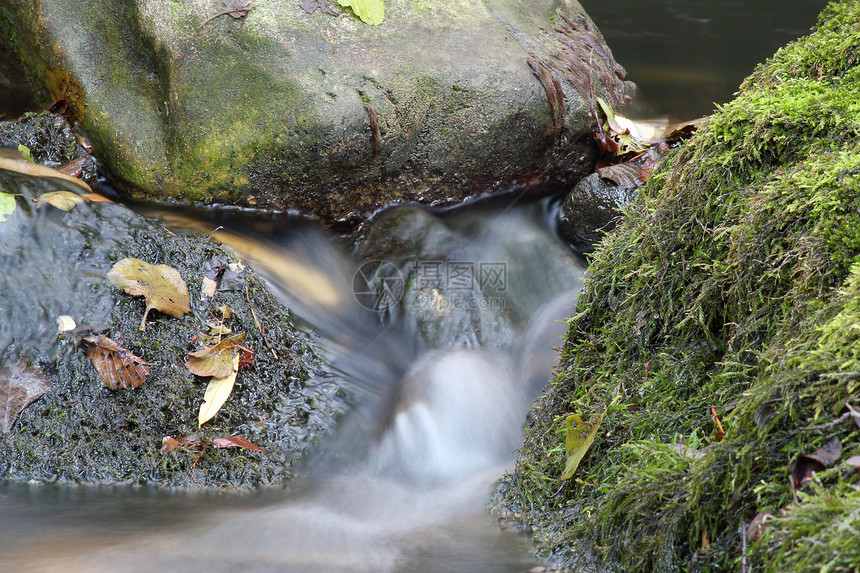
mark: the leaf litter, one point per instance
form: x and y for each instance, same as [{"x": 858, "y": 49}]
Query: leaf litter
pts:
[{"x": 217, "y": 392}]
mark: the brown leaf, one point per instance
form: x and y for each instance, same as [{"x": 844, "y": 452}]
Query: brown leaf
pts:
[
  {"x": 624, "y": 174},
  {"x": 311, "y": 6},
  {"x": 117, "y": 366},
  {"x": 161, "y": 285},
  {"x": 73, "y": 168},
  {"x": 804, "y": 466},
  {"x": 191, "y": 443},
  {"x": 235, "y": 8},
  {"x": 20, "y": 386},
  {"x": 236, "y": 442},
  {"x": 21, "y": 165},
  {"x": 757, "y": 526},
  {"x": 215, "y": 361}
]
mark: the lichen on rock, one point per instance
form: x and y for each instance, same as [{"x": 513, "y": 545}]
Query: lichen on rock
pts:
[{"x": 731, "y": 283}]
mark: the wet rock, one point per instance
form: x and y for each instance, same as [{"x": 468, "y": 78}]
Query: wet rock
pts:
[
  {"x": 465, "y": 280},
  {"x": 592, "y": 209},
  {"x": 288, "y": 110},
  {"x": 55, "y": 263}
]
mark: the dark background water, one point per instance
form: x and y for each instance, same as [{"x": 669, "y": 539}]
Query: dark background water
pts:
[{"x": 687, "y": 55}]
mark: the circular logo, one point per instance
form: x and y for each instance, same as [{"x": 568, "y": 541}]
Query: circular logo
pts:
[{"x": 377, "y": 285}]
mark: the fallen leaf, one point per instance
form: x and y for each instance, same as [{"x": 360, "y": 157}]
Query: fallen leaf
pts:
[
  {"x": 370, "y": 11},
  {"x": 803, "y": 467},
  {"x": 21, "y": 165},
  {"x": 117, "y": 366},
  {"x": 217, "y": 392},
  {"x": 217, "y": 360},
  {"x": 246, "y": 358},
  {"x": 235, "y": 8},
  {"x": 579, "y": 436},
  {"x": 191, "y": 443},
  {"x": 95, "y": 198},
  {"x": 7, "y": 205},
  {"x": 311, "y": 6},
  {"x": 208, "y": 289},
  {"x": 853, "y": 461},
  {"x": 73, "y": 168},
  {"x": 67, "y": 95},
  {"x": 65, "y": 200},
  {"x": 236, "y": 442},
  {"x": 623, "y": 174},
  {"x": 757, "y": 526},
  {"x": 20, "y": 386},
  {"x": 161, "y": 285},
  {"x": 25, "y": 151}
]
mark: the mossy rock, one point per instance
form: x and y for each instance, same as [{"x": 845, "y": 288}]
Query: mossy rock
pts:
[
  {"x": 288, "y": 110},
  {"x": 55, "y": 262},
  {"x": 729, "y": 292}
]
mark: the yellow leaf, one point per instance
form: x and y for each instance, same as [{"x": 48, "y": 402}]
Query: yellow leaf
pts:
[
  {"x": 161, "y": 285},
  {"x": 579, "y": 435},
  {"x": 65, "y": 200},
  {"x": 217, "y": 392},
  {"x": 215, "y": 361}
]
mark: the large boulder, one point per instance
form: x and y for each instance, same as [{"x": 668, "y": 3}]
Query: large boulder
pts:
[{"x": 324, "y": 114}]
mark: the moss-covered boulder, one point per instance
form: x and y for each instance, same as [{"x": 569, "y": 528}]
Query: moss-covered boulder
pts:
[
  {"x": 724, "y": 313},
  {"x": 55, "y": 263},
  {"x": 325, "y": 114}
]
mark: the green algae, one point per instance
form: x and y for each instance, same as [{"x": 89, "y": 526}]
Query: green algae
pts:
[{"x": 731, "y": 283}]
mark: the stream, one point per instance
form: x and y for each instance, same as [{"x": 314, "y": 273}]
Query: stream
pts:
[{"x": 447, "y": 343}]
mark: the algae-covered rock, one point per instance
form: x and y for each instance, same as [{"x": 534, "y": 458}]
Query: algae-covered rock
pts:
[
  {"x": 324, "y": 114},
  {"x": 55, "y": 263},
  {"x": 723, "y": 311}
]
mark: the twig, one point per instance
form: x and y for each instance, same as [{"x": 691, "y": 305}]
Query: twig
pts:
[
  {"x": 257, "y": 322},
  {"x": 831, "y": 424},
  {"x": 743, "y": 532}
]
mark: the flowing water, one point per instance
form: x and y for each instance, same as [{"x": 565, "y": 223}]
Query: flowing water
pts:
[{"x": 444, "y": 372}]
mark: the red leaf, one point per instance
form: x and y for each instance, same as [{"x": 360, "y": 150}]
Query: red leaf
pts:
[
  {"x": 236, "y": 442},
  {"x": 190, "y": 442}
]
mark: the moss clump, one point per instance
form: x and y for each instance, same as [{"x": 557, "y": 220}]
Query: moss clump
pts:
[{"x": 732, "y": 283}]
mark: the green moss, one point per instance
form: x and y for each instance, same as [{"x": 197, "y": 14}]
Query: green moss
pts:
[{"x": 732, "y": 283}]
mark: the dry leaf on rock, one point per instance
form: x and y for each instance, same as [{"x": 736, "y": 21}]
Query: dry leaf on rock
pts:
[
  {"x": 20, "y": 386},
  {"x": 21, "y": 165},
  {"x": 311, "y": 6},
  {"x": 216, "y": 361},
  {"x": 191, "y": 443},
  {"x": 804, "y": 466},
  {"x": 217, "y": 392},
  {"x": 65, "y": 200},
  {"x": 161, "y": 285},
  {"x": 236, "y": 442},
  {"x": 117, "y": 366}
]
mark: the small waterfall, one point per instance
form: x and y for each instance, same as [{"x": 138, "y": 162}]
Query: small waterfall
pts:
[{"x": 443, "y": 370}]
